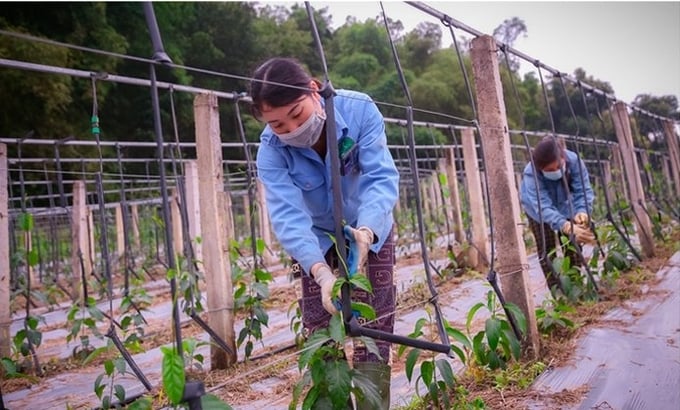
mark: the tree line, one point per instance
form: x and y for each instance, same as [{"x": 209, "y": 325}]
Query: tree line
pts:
[{"x": 233, "y": 38}]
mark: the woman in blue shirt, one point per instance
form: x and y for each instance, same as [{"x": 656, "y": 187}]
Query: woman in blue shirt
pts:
[
  {"x": 293, "y": 164},
  {"x": 559, "y": 178}
]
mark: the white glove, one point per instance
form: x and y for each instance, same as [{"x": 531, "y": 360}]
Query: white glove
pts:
[
  {"x": 363, "y": 237},
  {"x": 582, "y": 234},
  {"x": 325, "y": 279},
  {"x": 581, "y": 218}
]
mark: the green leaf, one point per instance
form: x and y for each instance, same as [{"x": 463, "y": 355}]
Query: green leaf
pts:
[
  {"x": 261, "y": 289},
  {"x": 478, "y": 348},
  {"x": 311, "y": 398},
  {"x": 371, "y": 346},
  {"x": 9, "y": 367},
  {"x": 261, "y": 315},
  {"x": 427, "y": 372},
  {"x": 173, "y": 376},
  {"x": 368, "y": 389},
  {"x": 514, "y": 343},
  {"x": 493, "y": 332},
  {"x": 99, "y": 386},
  {"x": 493, "y": 360},
  {"x": 108, "y": 367},
  {"x": 361, "y": 281},
  {"x": 212, "y": 402},
  {"x": 411, "y": 359},
  {"x": 25, "y": 222},
  {"x": 365, "y": 310},
  {"x": 339, "y": 382},
  {"x": 336, "y": 329},
  {"x": 262, "y": 275},
  {"x": 119, "y": 392},
  {"x": 459, "y": 336},
  {"x": 519, "y": 317},
  {"x": 446, "y": 372},
  {"x": 459, "y": 353},
  {"x": 259, "y": 245},
  {"x": 471, "y": 314},
  {"x": 120, "y": 365},
  {"x": 32, "y": 257},
  {"x": 314, "y": 343},
  {"x": 418, "y": 329},
  {"x": 143, "y": 403}
]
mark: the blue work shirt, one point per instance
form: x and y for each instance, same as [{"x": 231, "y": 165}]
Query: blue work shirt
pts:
[
  {"x": 298, "y": 183},
  {"x": 554, "y": 201}
]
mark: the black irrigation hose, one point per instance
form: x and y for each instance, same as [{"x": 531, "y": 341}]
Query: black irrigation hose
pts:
[
  {"x": 581, "y": 164},
  {"x": 161, "y": 57},
  {"x": 111, "y": 334},
  {"x": 445, "y": 346},
  {"x": 351, "y": 323}
]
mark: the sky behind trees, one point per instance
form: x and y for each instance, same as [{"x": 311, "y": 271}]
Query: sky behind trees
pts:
[{"x": 635, "y": 46}]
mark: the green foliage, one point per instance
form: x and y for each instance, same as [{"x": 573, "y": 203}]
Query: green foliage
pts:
[
  {"x": 435, "y": 374},
  {"x": 173, "y": 374},
  {"x": 251, "y": 288},
  {"x": 518, "y": 375},
  {"x": 553, "y": 315},
  {"x": 497, "y": 344},
  {"x": 328, "y": 380}
]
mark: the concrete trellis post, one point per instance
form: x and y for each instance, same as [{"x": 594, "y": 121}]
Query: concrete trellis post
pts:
[
  {"x": 215, "y": 243},
  {"x": 512, "y": 265},
  {"x": 454, "y": 195},
  {"x": 674, "y": 151},
  {"x": 474, "y": 185},
  {"x": 120, "y": 233},
  {"x": 176, "y": 221},
  {"x": 637, "y": 193},
  {"x": 607, "y": 177},
  {"x": 264, "y": 224},
  {"x": 79, "y": 240},
  {"x": 644, "y": 159},
  {"x": 193, "y": 207},
  {"x": 619, "y": 176},
  {"x": 666, "y": 172},
  {"x": 5, "y": 318},
  {"x": 134, "y": 224},
  {"x": 246, "y": 211}
]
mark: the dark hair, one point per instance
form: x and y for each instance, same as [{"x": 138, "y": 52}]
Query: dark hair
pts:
[
  {"x": 546, "y": 152},
  {"x": 280, "y": 70}
]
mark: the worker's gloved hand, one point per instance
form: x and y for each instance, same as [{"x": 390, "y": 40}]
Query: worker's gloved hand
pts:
[
  {"x": 360, "y": 240},
  {"x": 581, "y": 218},
  {"x": 583, "y": 234},
  {"x": 324, "y": 277}
]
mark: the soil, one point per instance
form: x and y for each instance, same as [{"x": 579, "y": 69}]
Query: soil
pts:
[{"x": 236, "y": 385}]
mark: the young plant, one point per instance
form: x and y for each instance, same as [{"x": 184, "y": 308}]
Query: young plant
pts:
[
  {"x": 435, "y": 374},
  {"x": 328, "y": 379},
  {"x": 553, "y": 316},
  {"x": 249, "y": 294},
  {"x": 497, "y": 344}
]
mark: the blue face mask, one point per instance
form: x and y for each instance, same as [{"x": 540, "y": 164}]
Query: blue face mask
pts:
[{"x": 553, "y": 175}]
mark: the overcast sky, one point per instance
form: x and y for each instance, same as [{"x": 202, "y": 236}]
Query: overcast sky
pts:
[{"x": 635, "y": 46}]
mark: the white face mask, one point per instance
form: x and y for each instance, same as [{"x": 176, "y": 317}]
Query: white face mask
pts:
[
  {"x": 554, "y": 175},
  {"x": 306, "y": 134}
]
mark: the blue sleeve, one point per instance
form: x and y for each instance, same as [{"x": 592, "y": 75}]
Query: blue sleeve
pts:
[
  {"x": 379, "y": 181},
  {"x": 581, "y": 191},
  {"x": 292, "y": 225},
  {"x": 530, "y": 201}
]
